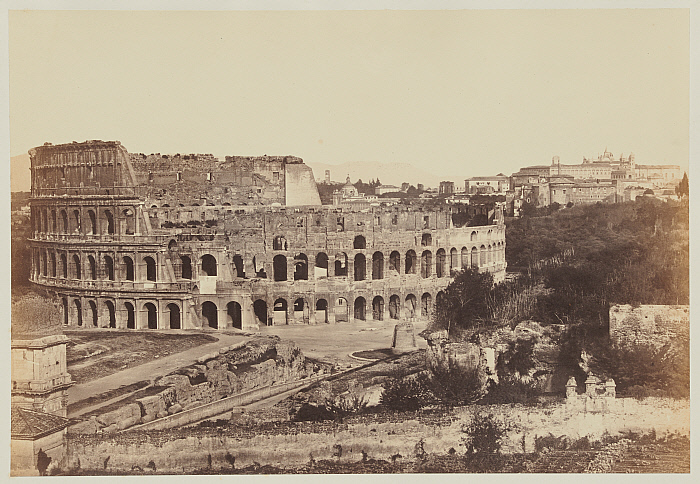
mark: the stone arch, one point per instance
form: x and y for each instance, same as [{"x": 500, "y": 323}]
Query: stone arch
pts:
[
  {"x": 130, "y": 315},
  {"x": 395, "y": 262},
  {"x": 210, "y": 314},
  {"x": 454, "y": 260},
  {"x": 109, "y": 267},
  {"x": 440, "y": 263},
  {"x": 301, "y": 310},
  {"x": 465, "y": 258},
  {"x": 259, "y": 267},
  {"x": 378, "y": 265},
  {"x": 78, "y": 308},
  {"x": 92, "y": 229},
  {"x": 64, "y": 222},
  {"x": 92, "y": 268},
  {"x": 360, "y": 267},
  {"x": 174, "y": 316},
  {"x": 426, "y": 304},
  {"x": 359, "y": 242},
  {"x": 151, "y": 315},
  {"x": 93, "y": 312},
  {"x": 64, "y": 265},
  {"x": 209, "y": 266},
  {"x": 150, "y": 268},
  {"x": 475, "y": 257},
  {"x": 411, "y": 306},
  {"x": 473, "y": 236},
  {"x": 76, "y": 267},
  {"x": 186, "y": 267},
  {"x": 279, "y": 312},
  {"x": 128, "y": 268},
  {"x": 378, "y": 308},
  {"x": 394, "y": 307},
  {"x": 411, "y": 262},
  {"x": 322, "y": 310},
  {"x": 172, "y": 245},
  {"x": 482, "y": 258},
  {"x": 321, "y": 266},
  {"x": 129, "y": 221},
  {"x": 360, "y": 308},
  {"x": 279, "y": 267},
  {"x": 341, "y": 264},
  {"x": 238, "y": 266},
  {"x": 301, "y": 267},
  {"x": 234, "y": 313},
  {"x": 260, "y": 311},
  {"x": 426, "y": 263},
  {"x": 279, "y": 243},
  {"x": 426, "y": 240},
  {"x": 341, "y": 310},
  {"x": 111, "y": 314}
]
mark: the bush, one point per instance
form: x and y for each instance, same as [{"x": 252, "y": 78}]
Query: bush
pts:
[
  {"x": 484, "y": 435},
  {"x": 410, "y": 392},
  {"x": 455, "y": 386},
  {"x": 510, "y": 391}
]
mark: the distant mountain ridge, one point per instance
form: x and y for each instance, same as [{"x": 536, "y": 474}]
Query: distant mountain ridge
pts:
[{"x": 388, "y": 173}]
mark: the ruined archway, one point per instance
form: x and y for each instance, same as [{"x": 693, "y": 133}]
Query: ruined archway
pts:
[
  {"x": 233, "y": 310},
  {"x": 238, "y": 266},
  {"x": 150, "y": 268},
  {"x": 260, "y": 310},
  {"x": 411, "y": 260},
  {"x": 174, "y": 315},
  {"x": 322, "y": 310},
  {"x": 301, "y": 267},
  {"x": 426, "y": 264},
  {"x": 152, "y": 316},
  {"x": 279, "y": 312},
  {"x": 378, "y": 308},
  {"x": 378, "y": 265},
  {"x": 360, "y": 308},
  {"x": 359, "y": 242},
  {"x": 186, "y": 267},
  {"x": 130, "y": 315},
  {"x": 411, "y": 306},
  {"x": 279, "y": 267},
  {"x": 360, "y": 267},
  {"x": 426, "y": 304},
  {"x": 321, "y": 266},
  {"x": 440, "y": 263},
  {"x": 93, "y": 312},
  {"x": 128, "y": 268},
  {"x": 210, "y": 314},
  {"x": 454, "y": 260},
  {"x": 394, "y": 307},
  {"x": 341, "y": 310},
  {"x": 209, "y": 267},
  {"x": 111, "y": 314},
  {"x": 341, "y": 264},
  {"x": 395, "y": 262}
]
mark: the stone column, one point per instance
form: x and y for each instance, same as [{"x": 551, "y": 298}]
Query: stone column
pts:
[{"x": 571, "y": 389}]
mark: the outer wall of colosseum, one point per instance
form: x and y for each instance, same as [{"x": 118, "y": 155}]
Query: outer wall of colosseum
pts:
[{"x": 136, "y": 241}]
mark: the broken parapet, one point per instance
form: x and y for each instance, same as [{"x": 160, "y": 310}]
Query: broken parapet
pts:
[
  {"x": 598, "y": 397},
  {"x": 404, "y": 340}
]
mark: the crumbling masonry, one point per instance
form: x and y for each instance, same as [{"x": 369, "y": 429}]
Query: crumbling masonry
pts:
[{"x": 188, "y": 241}]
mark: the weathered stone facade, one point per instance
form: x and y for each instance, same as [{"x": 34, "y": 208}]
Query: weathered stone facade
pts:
[
  {"x": 136, "y": 241},
  {"x": 649, "y": 325}
]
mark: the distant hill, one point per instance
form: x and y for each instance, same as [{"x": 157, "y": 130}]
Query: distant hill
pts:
[
  {"x": 20, "y": 175},
  {"x": 388, "y": 173}
]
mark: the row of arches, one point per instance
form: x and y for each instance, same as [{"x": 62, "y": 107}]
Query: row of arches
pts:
[{"x": 98, "y": 221}]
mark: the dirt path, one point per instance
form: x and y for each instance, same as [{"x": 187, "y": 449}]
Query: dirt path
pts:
[{"x": 150, "y": 370}]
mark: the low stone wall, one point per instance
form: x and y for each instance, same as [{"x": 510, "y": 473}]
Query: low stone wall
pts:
[
  {"x": 651, "y": 325},
  {"x": 380, "y": 436}
]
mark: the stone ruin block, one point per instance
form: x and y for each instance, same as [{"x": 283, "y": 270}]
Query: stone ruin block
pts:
[
  {"x": 123, "y": 413},
  {"x": 151, "y": 405},
  {"x": 404, "y": 340}
]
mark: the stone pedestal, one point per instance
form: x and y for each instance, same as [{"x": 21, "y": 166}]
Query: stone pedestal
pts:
[{"x": 404, "y": 340}]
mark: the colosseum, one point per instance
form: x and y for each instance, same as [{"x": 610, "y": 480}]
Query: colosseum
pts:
[{"x": 126, "y": 240}]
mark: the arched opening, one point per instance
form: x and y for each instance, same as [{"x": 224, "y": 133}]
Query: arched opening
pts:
[
  {"x": 64, "y": 306},
  {"x": 43, "y": 264},
  {"x": 112, "y": 314},
  {"x": 465, "y": 258},
  {"x": 482, "y": 257},
  {"x": 360, "y": 267},
  {"x": 150, "y": 268},
  {"x": 174, "y": 315},
  {"x": 93, "y": 313},
  {"x": 395, "y": 262},
  {"x": 279, "y": 243},
  {"x": 209, "y": 265},
  {"x": 129, "y": 223},
  {"x": 426, "y": 304},
  {"x": 76, "y": 267},
  {"x": 54, "y": 228},
  {"x": 411, "y": 260},
  {"x": 78, "y": 312},
  {"x": 321, "y": 266},
  {"x": 322, "y": 310},
  {"x": 110, "y": 222},
  {"x": 411, "y": 306},
  {"x": 130, "y": 316},
  {"x": 152, "y": 315},
  {"x": 92, "y": 267},
  {"x": 186, "y": 267},
  {"x": 378, "y": 308},
  {"x": 475, "y": 257},
  {"x": 172, "y": 245},
  {"x": 440, "y": 263},
  {"x": 341, "y": 310},
  {"x": 279, "y": 312},
  {"x": 489, "y": 251},
  {"x": 93, "y": 223},
  {"x": 109, "y": 268},
  {"x": 128, "y": 268},
  {"x": 341, "y": 264},
  {"x": 210, "y": 313},
  {"x": 426, "y": 262},
  {"x": 301, "y": 268},
  {"x": 359, "y": 242},
  {"x": 301, "y": 312},
  {"x": 64, "y": 222},
  {"x": 360, "y": 308},
  {"x": 454, "y": 260},
  {"x": 76, "y": 222},
  {"x": 472, "y": 237},
  {"x": 426, "y": 240},
  {"x": 394, "y": 307},
  {"x": 440, "y": 299},
  {"x": 259, "y": 268},
  {"x": 279, "y": 267},
  {"x": 64, "y": 266},
  {"x": 260, "y": 310},
  {"x": 238, "y": 266},
  {"x": 378, "y": 265},
  {"x": 233, "y": 310}
]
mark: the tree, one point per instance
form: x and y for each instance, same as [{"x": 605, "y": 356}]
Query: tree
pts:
[
  {"x": 683, "y": 187},
  {"x": 466, "y": 301}
]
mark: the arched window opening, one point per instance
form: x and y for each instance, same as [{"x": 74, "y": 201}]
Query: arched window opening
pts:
[
  {"x": 92, "y": 267},
  {"x": 186, "y": 267},
  {"x": 112, "y": 314},
  {"x": 411, "y": 306},
  {"x": 426, "y": 260},
  {"x": 259, "y": 268},
  {"x": 341, "y": 310},
  {"x": 110, "y": 222},
  {"x": 260, "y": 310},
  {"x": 64, "y": 306},
  {"x": 172, "y": 245},
  {"x": 475, "y": 257},
  {"x": 426, "y": 305},
  {"x": 174, "y": 315},
  {"x": 150, "y": 268},
  {"x": 378, "y": 265},
  {"x": 483, "y": 254},
  {"x": 395, "y": 262},
  {"x": 279, "y": 243},
  {"x": 300, "y": 311},
  {"x": 130, "y": 316},
  {"x": 411, "y": 260},
  {"x": 76, "y": 267},
  {"x": 472, "y": 238},
  {"x": 341, "y": 264},
  {"x": 109, "y": 268},
  {"x": 321, "y": 266},
  {"x": 129, "y": 221},
  {"x": 465, "y": 258},
  {"x": 129, "y": 268},
  {"x": 209, "y": 265},
  {"x": 360, "y": 267},
  {"x": 378, "y": 308},
  {"x": 279, "y": 267},
  {"x": 360, "y": 308},
  {"x": 53, "y": 264},
  {"x": 76, "y": 222},
  {"x": 93, "y": 223},
  {"x": 238, "y": 266},
  {"x": 359, "y": 242},
  {"x": 394, "y": 307},
  {"x": 440, "y": 263},
  {"x": 64, "y": 222},
  {"x": 301, "y": 267},
  {"x": 93, "y": 312},
  {"x": 78, "y": 312},
  {"x": 279, "y": 313},
  {"x": 322, "y": 310},
  {"x": 233, "y": 310},
  {"x": 152, "y": 315},
  {"x": 426, "y": 240},
  {"x": 454, "y": 260},
  {"x": 64, "y": 266}
]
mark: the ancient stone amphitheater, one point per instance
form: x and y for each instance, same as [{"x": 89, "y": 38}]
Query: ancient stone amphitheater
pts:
[{"x": 127, "y": 240}]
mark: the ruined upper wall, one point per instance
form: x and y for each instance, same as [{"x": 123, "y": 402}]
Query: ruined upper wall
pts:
[{"x": 649, "y": 325}]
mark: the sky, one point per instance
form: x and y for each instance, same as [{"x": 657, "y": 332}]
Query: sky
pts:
[{"x": 460, "y": 92}]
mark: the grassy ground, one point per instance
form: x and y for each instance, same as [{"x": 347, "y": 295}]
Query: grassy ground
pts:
[{"x": 95, "y": 354}]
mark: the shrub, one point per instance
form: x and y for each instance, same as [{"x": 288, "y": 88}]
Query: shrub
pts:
[
  {"x": 454, "y": 385},
  {"x": 410, "y": 392},
  {"x": 484, "y": 435}
]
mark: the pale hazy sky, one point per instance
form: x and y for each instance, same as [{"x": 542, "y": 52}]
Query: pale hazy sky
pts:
[{"x": 471, "y": 92}]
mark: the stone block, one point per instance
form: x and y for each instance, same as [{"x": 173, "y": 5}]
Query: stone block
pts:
[
  {"x": 151, "y": 405},
  {"x": 129, "y": 422},
  {"x": 125, "y": 412},
  {"x": 404, "y": 339},
  {"x": 149, "y": 417},
  {"x": 175, "y": 409}
]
